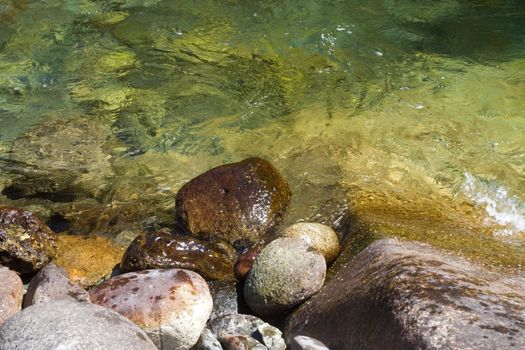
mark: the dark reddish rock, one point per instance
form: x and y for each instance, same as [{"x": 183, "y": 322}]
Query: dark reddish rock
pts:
[
  {"x": 66, "y": 324},
  {"x": 26, "y": 244},
  {"x": 286, "y": 273},
  {"x": 158, "y": 250},
  {"x": 240, "y": 202},
  {"x": 51, "y": 283},
  {"x": 407, "y": 295},
  {"x": 245, "y": 262},
  {"x": 171, "y": 306},
  {"x": 11, "y": 293}
]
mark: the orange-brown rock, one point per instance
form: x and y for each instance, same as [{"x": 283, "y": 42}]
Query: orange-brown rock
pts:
[
  {"x": 87, "y": 259},
  {"x": 26, "y": 244},
  {"x": 240, "y": 202},
  {"x": 160, "y": 250}
]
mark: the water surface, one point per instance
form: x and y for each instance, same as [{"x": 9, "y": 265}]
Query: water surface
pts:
[{"x": 406, "y": 114}]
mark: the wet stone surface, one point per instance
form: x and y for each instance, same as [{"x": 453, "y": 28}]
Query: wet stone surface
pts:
[
  {"x": 240, "y": 202},
  {"x": 212, "y": 260},
  {"x": 26, "y": 244},
  {"x": 406, "y": 295}
]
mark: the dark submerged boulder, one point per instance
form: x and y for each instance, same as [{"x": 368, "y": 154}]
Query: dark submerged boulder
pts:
[
  {"x": 26, "y": 244},
  {"x": 160, "y": 250},
  {"x": 407, "y": 295},
  {"x": 240, "y": 202}
]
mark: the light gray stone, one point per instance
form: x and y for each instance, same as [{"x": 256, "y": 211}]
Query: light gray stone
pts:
[
  {"x": 286, "y": 273},
  {"x": 302, "y": 342},
  {"x": 51, "y": 283},
  {"x": 71, "y": 325}
]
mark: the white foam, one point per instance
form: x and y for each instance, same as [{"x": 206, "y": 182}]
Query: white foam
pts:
[{"x": 503, "y": 210}]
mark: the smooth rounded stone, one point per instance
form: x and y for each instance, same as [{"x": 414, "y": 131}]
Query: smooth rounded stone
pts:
[
  {"x": 407, "y": 295},
  {"x": 62, "y": 156},
  {"x": 302, "y": 342},
  {"x": 11, "y": 293},
  {"x": 318, "y": 236},
  {"x": 157, "y": 250},
  {"x": 172, "y": 306},
  {"x": 26, "y": 244},
  {"x": 240, "y": 202},
  {"x": 66, "y": 324},
  {"x": 286, "y": 273},
  {"x": 88, "y": 260},
  {"x": 51, "y": 283},
  {"x": 245, "y": 262},
  {"x": 248, "y": 325},
  {"x": 240, "y": 342}
]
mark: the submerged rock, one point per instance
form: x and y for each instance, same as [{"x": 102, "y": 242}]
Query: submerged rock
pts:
[
  {"x": 61, "y": 159},
  {"x": 51, "y": 283},
  {"x": 66, "y": 324},
  {"x": 159, "y": 250},
  {"x": 172, "y": 306},
  {"x": 407, "y": 295},
  {"x": 26, "y": 244},
  {"x": 286, "y": 272},
  {"x": 239, "y": 202},
  {"x": 318, "y": 236},
  {"x": 87, "y": 259},
  {"x": 11, "y": 293}
]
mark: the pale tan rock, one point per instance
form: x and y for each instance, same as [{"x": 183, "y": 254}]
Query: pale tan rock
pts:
[
  {"x": 11, "y": 293},
  {"x": 318, "y": 236}
]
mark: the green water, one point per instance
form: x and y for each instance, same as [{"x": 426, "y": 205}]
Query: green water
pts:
[{"x": 409, "y": 115}]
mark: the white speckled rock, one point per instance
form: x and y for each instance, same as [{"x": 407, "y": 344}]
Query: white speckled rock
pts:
[
  {"x": 318, "y": 236},
  {"x": 11, "y": 293},
  {"x": 302, "y": 342},
  {"x": 66, "y": 324},
  {"x": 171, "y": 306},
  {"x": 285, "y": 273},
  {"x": 51, "y": 283}
]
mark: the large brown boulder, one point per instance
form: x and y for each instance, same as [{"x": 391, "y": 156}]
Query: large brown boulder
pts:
[
  {"x": 407, "y": 295},
  {"x": 161, "y": 250},
  {"x": 239, "y": 202},
  {"x": 26, "y": 244}
]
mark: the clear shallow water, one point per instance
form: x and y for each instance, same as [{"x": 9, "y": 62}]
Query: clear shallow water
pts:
[{"x": 408, "y": 113}]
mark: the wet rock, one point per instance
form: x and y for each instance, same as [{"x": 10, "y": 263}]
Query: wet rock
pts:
[
  {"x": 240, "y": 342},
  {"x": 61, "y": 159},
  {"x": 11, "y": 293},
  {"x": 172, "y": 306},
  {"x": 239, "y": 202},
  {"x": 318, "y": 236},
  {"x": 51, "y": 283},
  {"x": 87, "y": 259},
  {"x": 245, "y": 262},
  {"x": 246, "y": 326},
  {"x": 66, "y": 324},
  {"x": 157, "y": 250},
  {"x": 26, "y": 244},
  {"x": 302, "y": 342},
  {"x": 286, "y": 272},
  {"x": 226, "y": 298},
  {"x": 406, "y": 295}
]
